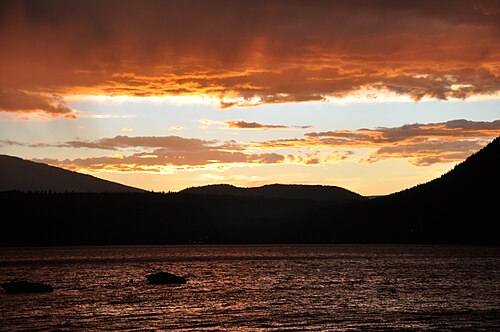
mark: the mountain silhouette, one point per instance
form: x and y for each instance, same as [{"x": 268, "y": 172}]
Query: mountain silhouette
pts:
[
  {"x": 24, "y": 175},
  {"x": 459, "y": 207},
  {"x": 477, "y": 176},
  {"x": 288, "y": 191}
]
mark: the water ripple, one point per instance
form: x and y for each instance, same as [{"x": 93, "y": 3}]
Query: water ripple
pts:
[{"x": 256, "y": 288}]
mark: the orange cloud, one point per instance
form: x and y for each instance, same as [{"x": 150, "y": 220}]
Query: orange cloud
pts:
[
  {"x": 241, "y": 124},
  {"x": 429, "y": 152},
  {"x": 161, "y": 153},
  {"x": 423, "y": 144},
  {"x": 450, "y": 130},
  {"x": 172, "y": 143},
  {"x": 26, "y": 102},
  {"x": 315, "y": 158},
  {"x": 248, "y": 53}
]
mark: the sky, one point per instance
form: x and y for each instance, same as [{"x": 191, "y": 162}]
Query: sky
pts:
[{"x": 373, "y": 96}]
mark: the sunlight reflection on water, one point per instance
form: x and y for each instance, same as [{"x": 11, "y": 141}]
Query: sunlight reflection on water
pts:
[{"x": 256, "y": 288}]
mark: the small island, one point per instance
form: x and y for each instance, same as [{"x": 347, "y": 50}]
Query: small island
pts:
[
  {"x": 25, "y": 287},
  {"x": 164, "y": 278}
]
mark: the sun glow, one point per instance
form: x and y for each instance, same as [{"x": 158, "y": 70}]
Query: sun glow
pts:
[{"x": 137, "y": 93}]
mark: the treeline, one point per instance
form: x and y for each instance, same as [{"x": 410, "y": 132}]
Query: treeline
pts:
[
  {"x": 146, "y": 218},
  {"x": 155, "y": 218}
]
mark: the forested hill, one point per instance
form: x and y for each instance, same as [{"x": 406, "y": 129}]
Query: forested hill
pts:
[
  {"x": 25, "y": 175},
  {"x": 290, "y": 191},
  {"x": 459, "y": 207}
]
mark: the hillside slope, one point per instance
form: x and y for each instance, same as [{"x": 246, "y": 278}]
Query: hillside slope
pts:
[
  {"x": 25, "y": 175},
  {"x": 458, "y": 207},
  {"x": 288, "y": 191},
  {"x": 477, "y": 176}
]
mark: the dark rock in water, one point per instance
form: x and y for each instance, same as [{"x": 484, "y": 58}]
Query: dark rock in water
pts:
[
  {"x": 162, "y": 278},
  {"x": 24, "y": 287}
]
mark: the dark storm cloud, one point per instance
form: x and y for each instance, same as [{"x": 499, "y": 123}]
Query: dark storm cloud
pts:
[{"x": 249, "y": 52}]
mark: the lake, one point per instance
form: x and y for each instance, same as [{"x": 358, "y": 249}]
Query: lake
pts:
[{"x": 256, "y": 288}]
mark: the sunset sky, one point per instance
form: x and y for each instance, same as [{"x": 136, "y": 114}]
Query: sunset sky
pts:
[{"x": 374, "y": 96}]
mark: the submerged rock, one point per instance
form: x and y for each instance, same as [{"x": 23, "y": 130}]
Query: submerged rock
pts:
[
  {"x": 24, "y": 287},
  {"x": 162, "y": 278}
]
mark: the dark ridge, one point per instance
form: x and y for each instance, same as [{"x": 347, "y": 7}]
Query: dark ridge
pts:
[
  {"x": 460, "y": 207},
  {"x": 24, "y": 175},
  {"x": 288, "y": 191},
  {"x": 472, "y": 177}
]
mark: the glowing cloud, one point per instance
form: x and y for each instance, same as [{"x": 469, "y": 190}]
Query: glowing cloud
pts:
[
  {"x": 161, "y": 153},
  {"x": 241, "y": 124},
  {"x": 24, "y": 102},
  {"x": 423, "y": 144},
  {"x": 245, "y": 53}
]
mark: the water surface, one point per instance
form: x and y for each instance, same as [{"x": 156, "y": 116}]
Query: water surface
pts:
[{"x": 256, "y": 288}]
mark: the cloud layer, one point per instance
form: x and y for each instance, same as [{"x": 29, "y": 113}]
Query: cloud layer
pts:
[
  {"x": 246, "y": 52},
  {"x": 160, "y": 154},
  {"x": 420, "y": 144},
  {"x": 242, "y": 124},
  {"x": 25, "y": 102}
]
